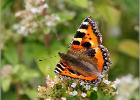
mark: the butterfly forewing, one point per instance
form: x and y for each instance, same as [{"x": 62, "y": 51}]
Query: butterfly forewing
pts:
[{"x": 87, "y": 35}]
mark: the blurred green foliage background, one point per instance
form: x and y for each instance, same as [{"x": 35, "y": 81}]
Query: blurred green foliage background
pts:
[{"x": 21, "y": 70}]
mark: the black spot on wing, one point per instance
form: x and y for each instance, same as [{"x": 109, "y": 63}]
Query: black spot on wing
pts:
[
  {"x": 79, "y": 34},
  {"x": 86, "y": 45},
  {"x": 91, "y": 52},
  {"x": 84, "y": 26},
  {"x": 94, "y": 27},
  {"x": 76, "y": 43}
]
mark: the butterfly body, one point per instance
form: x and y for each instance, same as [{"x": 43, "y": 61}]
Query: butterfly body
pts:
[{"x": 86, "y": 59}]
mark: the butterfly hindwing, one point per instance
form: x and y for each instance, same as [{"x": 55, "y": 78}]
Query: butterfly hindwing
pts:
[{"x": 67, "y": 71}]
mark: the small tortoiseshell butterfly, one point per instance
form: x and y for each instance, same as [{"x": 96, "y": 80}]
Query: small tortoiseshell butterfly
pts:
[{"x": 86, "y": 59}]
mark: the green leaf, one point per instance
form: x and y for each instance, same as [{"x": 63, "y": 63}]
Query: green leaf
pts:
[
  {"x": 34, "y": 51},
  {"x": 65, "y": 16},
  {"x": 45, "y": 57},
  {"x": 109, "y": 13},
  {"x": 7, "y": 3},
  {"x": 114, "y": 59},
  {"x": 81, "y": 3},
  {"x": 10, "y": 53},
  {"x": 23, "y": 73},
  {"x": 129, "y": 47},
  {"x": 47, "y": 66},
  {"x": 31, "y": 93},
  {"x": 6, "y": 84},
  {"x": 10, "y": 95},
  {"x": 102, "y": 96},
  {"x": 73, "y": 98},
  {"x": 50, "y": 59},
  {"x": 93, "y": 96}
]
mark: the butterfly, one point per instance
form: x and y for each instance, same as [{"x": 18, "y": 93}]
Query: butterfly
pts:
[{"x": 86, "y": 59}]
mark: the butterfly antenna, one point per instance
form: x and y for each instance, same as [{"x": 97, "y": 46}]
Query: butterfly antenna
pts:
[{"x": 46, "y": 58}]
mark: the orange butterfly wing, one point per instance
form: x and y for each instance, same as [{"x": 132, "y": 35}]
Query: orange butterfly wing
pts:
[{"x": 87, "y": 38}]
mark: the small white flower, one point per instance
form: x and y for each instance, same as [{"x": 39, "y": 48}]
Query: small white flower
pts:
[
  {"x": 6, "y": 70},
  {"x": 22, "y": 30},
  {"x": 45, "y": 6},
  {"x": 106, "y": 82},
  {"x": 95, "y": 88},
  {"x": 51, "y": 20},
  {"x": 116, "y": 83},
  {"x": 74, "y": 93},
  {"x": 83, "y": 94},
  {"x": 16, "y": 26},
  {"x": 63, "y": 98},
  {"x": 49, "y": 81},
  {"x": 34, "y": 10},
  {"x": 114, "y": 86},
  {"x": 18, "y": 14},
  {"x": 87, "y": 87},
  {"x": 117, "y": 92},
  {"x": 82, "y": 83},
  {"x": 73, "y": 85}
]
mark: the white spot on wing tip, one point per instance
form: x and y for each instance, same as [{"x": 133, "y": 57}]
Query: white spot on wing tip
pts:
[{"x": 85, "y": 23}]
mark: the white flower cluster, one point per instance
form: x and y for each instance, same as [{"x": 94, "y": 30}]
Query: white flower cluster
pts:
[
  {"x": 74, "y": 93},
  {"x": 73, "y": 85},
  {"x": 95, "y": 88},
  {"x": 128, "y": 84},
  {"x": 5, "y": 71},
  {"x": 34, "y": 18},
  {"x": 87, "y": 87},
  {"x": 116, "y": 83},
  {"x": 113, "y": 84},
  {"x": 63, "y": 98},
  {"x": 106, "y": 81},
  {"x": 84, "y": 85},
  {"x": 83, "y": 94},
  {"x": 50, "y": 82}
]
